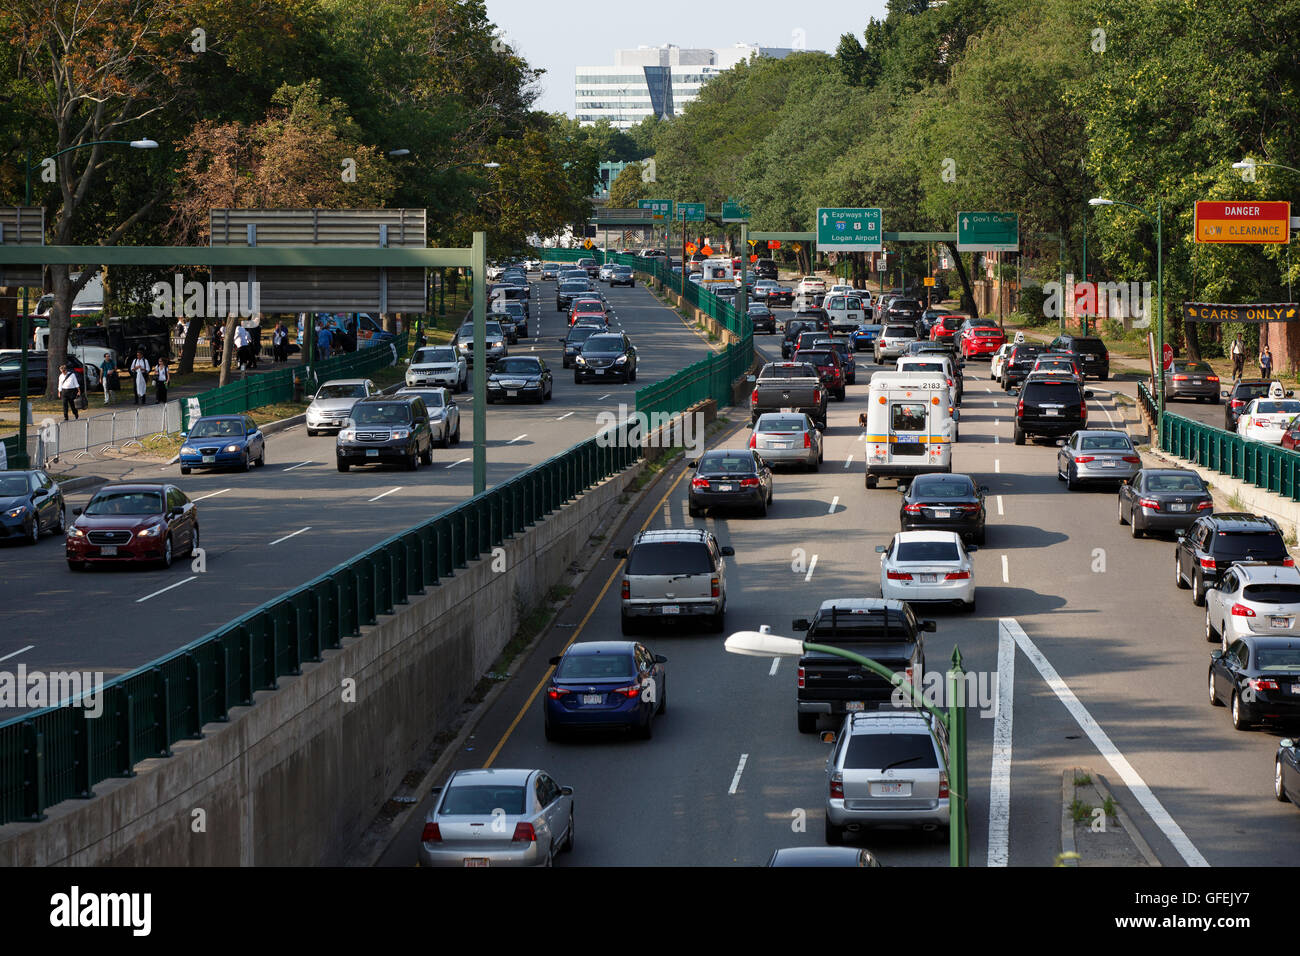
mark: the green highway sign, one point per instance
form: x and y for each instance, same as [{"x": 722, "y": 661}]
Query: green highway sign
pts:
[
  {"x": 988, "y": 232},
  {"x": 733, "y": 211},
  {"x": 690, "y": 211},
  {"x": 659, "y": 208},
  {"x": 849, "y": 230}
]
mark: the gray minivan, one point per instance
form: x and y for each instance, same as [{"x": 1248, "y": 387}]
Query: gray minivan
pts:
[{"x": 671, "y": 575}]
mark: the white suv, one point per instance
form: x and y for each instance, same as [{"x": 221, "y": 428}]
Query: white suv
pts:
[
  {"x": 1252, "y": 599},
  {"x": 671, "y": 575}
]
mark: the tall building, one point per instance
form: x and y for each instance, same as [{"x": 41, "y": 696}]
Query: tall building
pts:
[{"x": 654, "y": 81}]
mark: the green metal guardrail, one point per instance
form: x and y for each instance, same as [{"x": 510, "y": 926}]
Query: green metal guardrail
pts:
[
  {"x": 58, "y": 753},
  {"x": 1149, "y": 404},
  {"x": 10, "y": 443},
  {"x": 1271, "y": 467}
]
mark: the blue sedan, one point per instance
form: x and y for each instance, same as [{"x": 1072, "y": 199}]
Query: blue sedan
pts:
[
  {"x": 864, "y": 338},
  {"x": 223, "y": 441},
  {"x": 605, "y": 685}
]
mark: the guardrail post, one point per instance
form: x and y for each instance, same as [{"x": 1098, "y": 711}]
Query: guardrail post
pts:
[
  {"x": 349, "y": 602},
  {"x": 365, "y": 570},
  {"x": 162, "y": 717},
  {"x": 33, "y": 773},
  {"x": 413, "y": 546},
  {"x": 124, "y": 744},
  {"x": 247, "y": 664},
  {"x": 308, "y": 624},
  {"x": 396, "y": 555},
  {"x": 194, "y": 694},
  {"x": 221, "y": 669}
]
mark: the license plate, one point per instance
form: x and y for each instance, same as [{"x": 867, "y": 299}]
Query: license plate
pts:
[
  {"x": 726, "y": 487},
  {"x": 782, "y": 444},
  {"x": 1051, "y": 411},
  {"x": 1090, "y": 358},
  {"x": 593, "y": 698},
  {"x": 787, "y": 408},
  {"x": 1177, "y": 507},
  {"x": 109, "y": 551},
  {"x": 943, "y": 512},
  {"x": 929, "y": 578},
  {"x": 852, "y": 706},
  {"x": 1280, "y": 622},
  {"x": 476, "y": 861},
  {"x": 670, "y": 609},
  {"x": 1110, "y": 464},
  {"x": 209, "y": 459},
  {"x": 1295, "y": 688},
  {"x": 891, "y": 789},
  {"x": 372, "y": 452},
  {"x": 512, "y": 393}
]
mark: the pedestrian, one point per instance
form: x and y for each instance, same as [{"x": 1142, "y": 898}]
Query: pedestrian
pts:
[
  {"x": 160, "y": 379},
  {"x": 108, "y": 375},
  {"x": 243, "y": 346},
  {"x": 70, "y": 389},
  {"x": 1238, "y": 357},
  {"x": 218, "y": 338},
  {"x": 280, "y": 343},
  {"x": 140, "y": 373},
  {"x": 323, "y": 339},
  {"x": 1266, "y": 363},
  {"x": 254, "y": 341}
]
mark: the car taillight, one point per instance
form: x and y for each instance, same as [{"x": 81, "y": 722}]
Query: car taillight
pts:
[
  {"x": 1020, "y": 408},
  {"x": 1211, "y": 378},
  {"x": 817, "y": 396},
  {"x": 957, "y": 576},
  {"x": 1262, "y": 683},
  {"x": 1180, "y": 378},
  {"x": 1240, "y": 610},
  {"x": 753, "y": 399},
  {"x": 807, "y": 440},
  {"x": 524, "y": 833},
  {"x": 943, "y": 785},
  {"x": 913, "y": 509},
  {"x": 431, "y": 834},
  {"x": 1236, "y": 403},
  {"x": 632, "y": 690},
  {"x": 799, "y": 683},
  {"x": 1132, "y": 459},
  {"x": 969, "y": 509},
  {"x": 950, "y": 383},
  {"x": 1204, "y": 504},
  {"x": 555, "y": 693},
  {"x": 699, "y": 482},
  {"x": 1288, "y": 562},
  {"x": 713, "y": 588},
  {"x": 749, "y": 482},
  {"x": 1084, "y": 459},
  {"x": 837, "y": 786},
  {"x": 1083, "y": 410},
  {"x": 898, "y": 576},
  {"x": 753, "y": 442},
  {"x": 627, "y": 590},
  {"x": 1208, "y": 564},
  {"x": 1149, "y": 503}
]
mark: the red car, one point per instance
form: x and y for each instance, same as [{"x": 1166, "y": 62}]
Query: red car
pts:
[
  {"x": 131, "y": 523},
  {"x": 828, "y": 365},
  {"x": 947, "y": 327},
  {"x": 982, "y": 340},
  {"x": 588, "y": 314}
]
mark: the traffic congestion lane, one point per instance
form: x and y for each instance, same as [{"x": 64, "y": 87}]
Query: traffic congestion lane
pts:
[{"x": 274, "y": 528}]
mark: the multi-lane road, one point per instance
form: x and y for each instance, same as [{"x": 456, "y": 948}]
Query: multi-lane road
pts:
[{"x": 1096, "y": 660}]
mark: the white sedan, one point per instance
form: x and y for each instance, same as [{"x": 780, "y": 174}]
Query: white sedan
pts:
[
  {"x": 928, "y": 566},
  {"x": 999, "y": 359},
  {"x": 1267, "y": 419}
]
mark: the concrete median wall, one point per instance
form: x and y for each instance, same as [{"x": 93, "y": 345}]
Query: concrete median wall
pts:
[{"x": 295, "y": 779}]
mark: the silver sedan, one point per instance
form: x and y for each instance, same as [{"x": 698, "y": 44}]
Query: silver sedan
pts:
[
  {"x": 498, "y": 818},
  {"x": 782, "y": 438},
  {"x": 1097, "y": 455}
]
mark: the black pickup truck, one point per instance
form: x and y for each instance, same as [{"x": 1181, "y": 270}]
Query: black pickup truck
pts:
[
  {"x": 788, "y": 387},
  {"x": 885, "y": 631}
]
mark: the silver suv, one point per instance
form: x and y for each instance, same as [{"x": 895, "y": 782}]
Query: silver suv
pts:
[
  {"x": 674, "y": 574},
  {"x": 893, "y": 341},
  {"x": 888, "y": 767}
]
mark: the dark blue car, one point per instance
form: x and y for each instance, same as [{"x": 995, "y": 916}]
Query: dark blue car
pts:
[
  {"x": 605, "y": 685},
  {"x": 864, "y": 338},
  {"x": 223, "y": 441}
]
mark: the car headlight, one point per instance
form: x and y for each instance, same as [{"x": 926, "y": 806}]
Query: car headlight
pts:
[
  {"x": 347, "y": 434},
  {"x": 400, "y": 433},
  {"x": 16, "y": 512},
  {"x": 151, "y": 532},
  {"x": 187, "y": 450},
  {"x": 231, "y": 449},
  {"x": 621, "y": 360},
  {"x": 580, "y": 360},
  {"x": 75, "y": 532}
]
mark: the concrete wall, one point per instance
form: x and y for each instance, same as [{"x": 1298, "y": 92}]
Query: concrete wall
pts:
[{"x": 295, "y": 779}]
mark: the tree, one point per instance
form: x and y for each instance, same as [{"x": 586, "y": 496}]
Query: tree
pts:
[{"x": 627, "y": 188}]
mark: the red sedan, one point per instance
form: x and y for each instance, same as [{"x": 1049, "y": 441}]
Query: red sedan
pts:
[
  {"x": 131, "y": 523},
  {"x": 982, "y": 340},
  {"x": 946, "y": 327}
]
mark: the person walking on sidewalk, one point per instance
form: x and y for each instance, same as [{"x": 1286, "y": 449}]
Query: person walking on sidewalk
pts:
[
  {"x": 140, "y": 373},
  {"x": 1266, "y": 363},
  {"x": 108, "y": 375},
  {"x": 1238, "y": 357},
  {"x": 70, "y": 389},
  {"x": 323, "y": 341},
  {"x": 243, "y": 346},
  {"x": 280, "y": 343},
  {"x": 160, "y": 379}
]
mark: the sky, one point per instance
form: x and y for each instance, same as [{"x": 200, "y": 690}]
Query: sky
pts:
[{"x": 562, "y": 34}]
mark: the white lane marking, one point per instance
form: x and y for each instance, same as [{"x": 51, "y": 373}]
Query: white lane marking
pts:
[
  {"x": 847, "y": 462},
  {"x": 999, "y": 505},
  {"x": 834, "y": 502},
  {"x": 288, "y": 536},
  {"x": 997, "y": 440},
  {"x": 1006, "y": 576},
  {"x": 516, "y": 438},
  {"x": 564, "y": 416},
  {"x": 997, "y": 465},
  {"x": 1137, "y": 786},
  {"x": 1000, "y": 775},
  {"x": 1105, "y": 412},
  {"x": 811, "y": 564},
  {"x": 990, "y": 391},
  {"x": 995, "y": 403},
  {"x": 776, "y": 662},
  {"x": 212, "y": 494},
  {"x": 386, "y": 493},
  {"x": 22, "y": 650},
  {"x": 299, "y": 465},
  {"x": 605, "y": 396},
  {"x": 735, "y": 781},
  {"x": 192, "y": 577},
  {"x": 668, "y": 516}
]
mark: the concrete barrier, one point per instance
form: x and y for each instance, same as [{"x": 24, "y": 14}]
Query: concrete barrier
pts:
[{"x": 297, "y": 778}]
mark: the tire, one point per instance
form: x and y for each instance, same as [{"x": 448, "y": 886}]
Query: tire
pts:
[
  {"x": 969, "y": 607},
  {"x": 167, "y": 557},
  {"x": 807, "y": 723},
  {"x": 834, "y": 834},
  {"x": 839, "y": 395},
  {"x": 1198, "y": 589},
  {"x": 311, "y": 433},
  {"x": 1133, "y": 527},
  {"x": 628, "y": 625},
  {"x": 648, "y": 731},
  {"x": 872, "y": 481},
  {"x": 427, "y": 457},
  {"x": 718, "y": 622},
  {"x": 1070, "y": 483},
  {"x": 663, "y": 699},
  {"x": 185, "y": 470},
  {"x": 567, "y": 845},
  {"x": 1105, "y": 375},
  {"x": 1059, "y": 476},
  {"x": 693, "y": 511},
  {"x": 1119, "y": 506},
  {"x": 761, "y": 509},
  {"x": 413, "y": 461},
  {"x": 1020, "y": 436},
  {"x": 62, "y": 526},
  {"x": 1214, "y": 696},
  {"x": 343, "y": 465},
  {"x": 981, "y": 537},
  {"x": 632, "y": 375},
  {"x": 1178, "y": 573},
  {"x": 243, "y": 464},
  {"x": 1239, "y": 720},
  {"x": 76, "y": 565},
  {"x": 1278, "y": 790},
  {"x": 1211, "y": 635},
  {"x": 261, "y": 459},
  {"x": 577, "y": 380},
  {"x": 33, "y": 536},
  {"x": 455, "y": 438}
]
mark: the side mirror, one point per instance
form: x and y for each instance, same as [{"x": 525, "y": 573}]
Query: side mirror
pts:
[
  {"x": 1216, "y": 655},
  {"x": 1286, "y": 743},
  {"x": 1181, "y": 535},
  {"x": 562, "y": 340},
  {"x": 567, "y": 791},
  {"x": 184, "y": 435},
  {"x": 801, "y": 624},
  {"x": 828, "y": 736},
  {"x": 972, "y": 548},
  {"x": 693, "y": 463},
  {"x": 660, "y": 659},
  {"x": 751, "y": 378},
  {"x": 928, "y": 626},
  {"x": 1087, "y": 394},
  {"x": 881, "y": 549},
  {"x": 984, "y": 489},
  {"x": 554, "y": 661},
  {"x": 728, "y": 551},
  {"x": 620, "y": 552},
  {"x": 77, "y": 511},
  {"x": 408, "y": 361},
  {"x": 1290, "y": 393},
  {"x": 434, "y": 790}
]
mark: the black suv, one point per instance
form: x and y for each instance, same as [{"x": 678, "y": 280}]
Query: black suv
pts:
[
  {"x": 904, "y": 310},
  {"x": 605, "y": 356},
  {"x": 1216, "y": 542},
  {"x": 793, "y": 328},
  {"x": 1019, "y": 364},
  {"x": 386, "y": 428},
  {"x": 1050, "y": 406},
  {"x": 765, "y": 269},
  {"x": 1093, "y": 357},
  {"x": 1239, "y": 396}
]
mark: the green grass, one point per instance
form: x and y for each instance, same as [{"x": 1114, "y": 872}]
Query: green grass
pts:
[
  {"x": 161, "y": 446},
  {"x": 1080, "y": 811},
  {"x": 1235, "y": 503},
  {"x": 1108, "y": 805},
  {"x": 1082, "y": 779}
]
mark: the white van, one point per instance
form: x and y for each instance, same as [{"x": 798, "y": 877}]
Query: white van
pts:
[{"x": 910, "y": 426}]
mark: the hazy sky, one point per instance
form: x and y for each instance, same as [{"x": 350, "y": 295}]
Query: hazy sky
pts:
[{"x": 560, "y": 35}]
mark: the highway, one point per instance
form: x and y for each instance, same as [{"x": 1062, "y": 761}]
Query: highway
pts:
[
  {"x": 271, "y": 529},
  {"x": 1098, "y": 660}
]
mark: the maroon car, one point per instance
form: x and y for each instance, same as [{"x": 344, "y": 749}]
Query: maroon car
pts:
[
  {"x": 133, "y": 522},
  {"x": 828, "y": 365}
]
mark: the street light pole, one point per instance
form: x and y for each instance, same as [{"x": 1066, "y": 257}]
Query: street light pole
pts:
[{"x": 478, "y": 263}]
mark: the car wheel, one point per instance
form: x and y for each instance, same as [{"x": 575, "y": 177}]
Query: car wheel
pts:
[
  {"x": 632, "y": 375},
  {"x": 34, "y": 534},
  {"x": 807, "y": 723},
  {"x": 76, "y": 565},
  {"x": 185, "y": 470},
  {"x": 1071, "y": 484},
  {"x": 718, "y": 622},
  {"x": 1279, "y": 791},
  {"x": 1210, "y": 633},
  {"x": 1239, "y": 719},
  {"x": 1198, "y": 589},
  {"x": 343, "y": 465},
  {"x": 567, "y": 845},
  {"x": 311, "y": 433},
  {"x": 455, "y": 437},
  {"x": 61, "y": 526},
  {"x": 969, "y": 606},
  {"x": 1214, "y": 696},
  {"x": 872, "y": 481},
  {"x": 693, "y": 511},
  {"x": 647, "y": 730},
  {"x": 1020, "y": 436},
  {"x": 167, "y": 552},
  {"x": 1104, "y": 376},
  {"x": 1119, "y": 506},
  {"x": 413, "y": 461},
  {"x": 1134, "y": 528},
  {"x": 628, "y": 625},
  {"x": 243, "y": 462},
  {"x": 1060, "y": 475},
  {"x": 577, "y": 379},
  {"x": 979, "y": 538},
  {"x": 761, "y": 509},
  {"x": 1178, "y": 573},
  {"x": 834, "y": 834},
  {"x": 427, "y": 457}
]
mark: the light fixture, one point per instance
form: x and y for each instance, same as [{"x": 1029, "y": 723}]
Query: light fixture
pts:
[
  {"x": 1101, "y": 202},
  {"x": 143, "y": 144},
  {"x": 491, "y": 165},
  {"x": 763, "y": 644},
  {"x": 399, "y": 152},
  {"x": 1244, "y": 164}
]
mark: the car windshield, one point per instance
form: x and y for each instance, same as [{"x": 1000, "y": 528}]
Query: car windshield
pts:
[
  {"x": 728, "y": 464},
  {"x": 341, "y": 391},
  {"x": 1268, "y": 408},
  {"x": 1104, "y": 443},
  {"x": 1247, "y": 392},
  {"x": 1260, "y": 545},
  {"x": 1188, "y": 482},
  {"x": 519, "y": 366},
  {"x": 482, "y": 801},
  {"x": 573, "y": 287},
  {"x": 125, "y": 503},
  {"x": 381, "y": 413},
  {"x": 432, "y": 396},
  {"x": 426, "y": 356},
  {"x": 669, "y": 557},
  {"x": 926, "y": 551},
  {"x": 942, "y": 486},
  {"x": 910, "y": 751},
  {"x": 12, "y": 486},
  {"x": 580, "y": 333},
  {"x": 802, "y": 370},
  {"x": 604, "y": 343},
  {"x": 816, "y": 356},
  {"x": 596, "y": 667},
  {"x": 987, "y": 332},
  {"x": 773, "y": 423},
  {"x": 1278, "y": 658},
  {"x": 217, "y": 428}
]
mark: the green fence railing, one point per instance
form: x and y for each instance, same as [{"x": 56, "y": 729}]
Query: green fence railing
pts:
[
  {"x": 10, "y": 444},
  {"x": 57, "y": 753}
]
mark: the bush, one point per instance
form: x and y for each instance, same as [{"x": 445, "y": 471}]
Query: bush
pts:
[{"x": 1032, "y": 299}]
